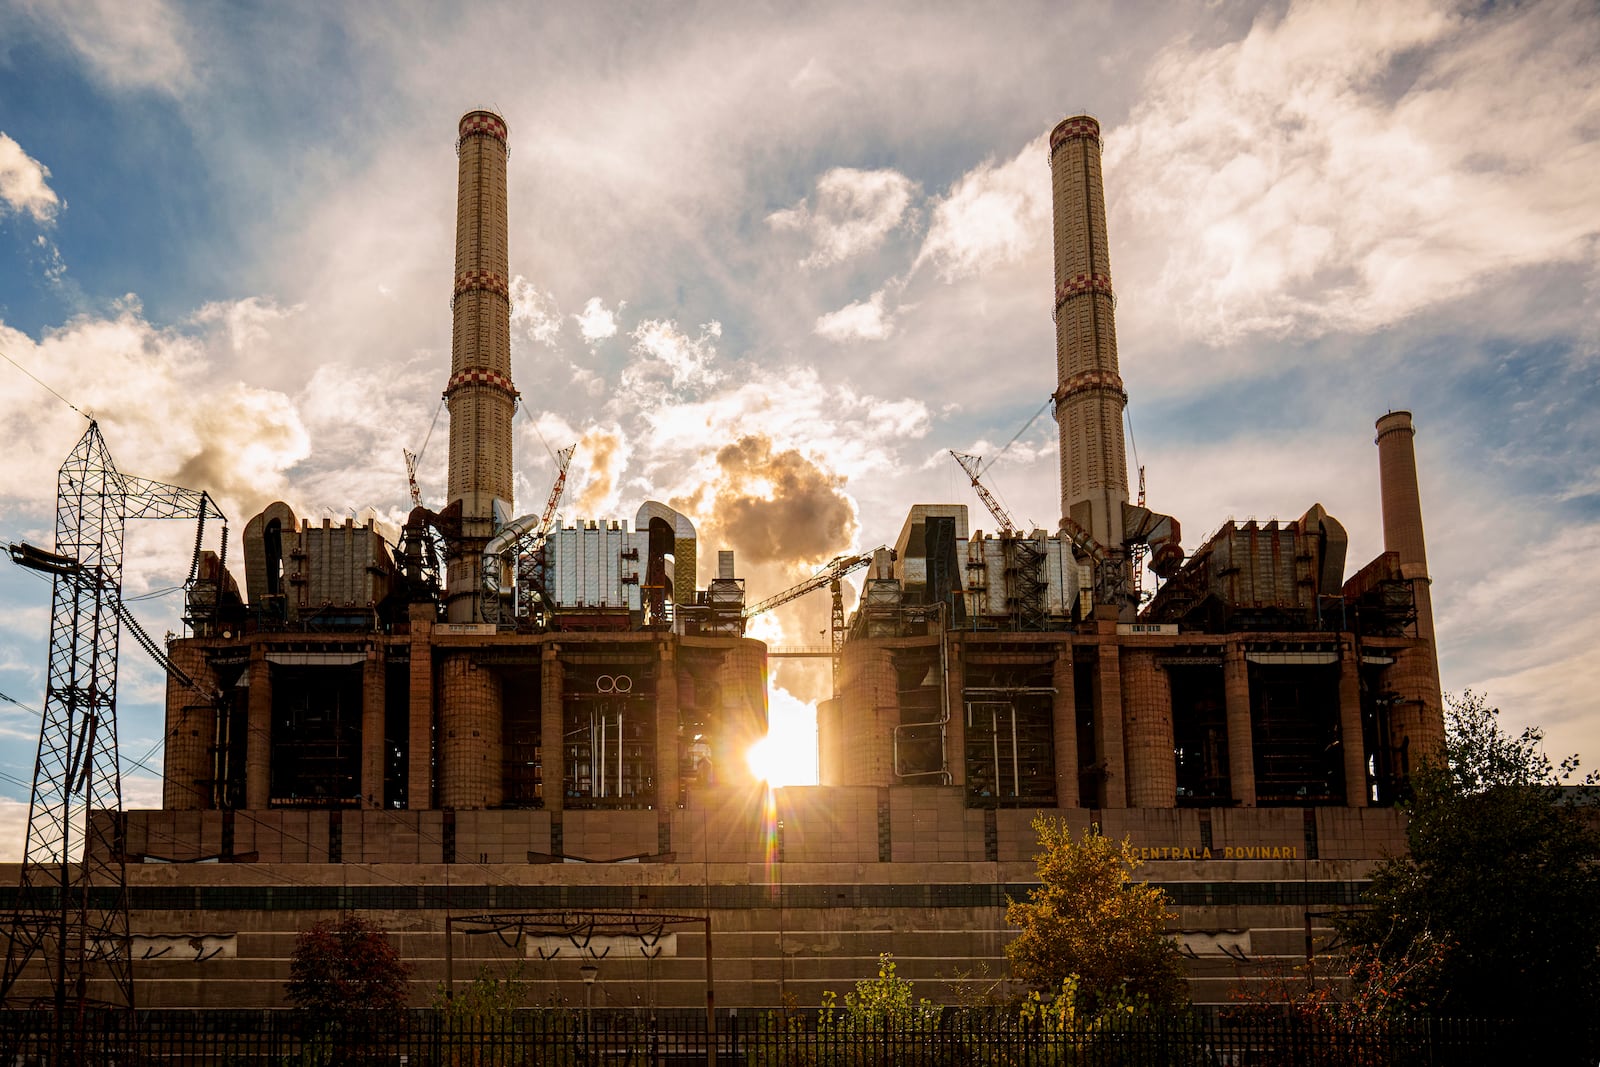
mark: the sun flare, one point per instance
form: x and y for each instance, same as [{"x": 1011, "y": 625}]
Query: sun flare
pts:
[{"x": 788, "y": 754}]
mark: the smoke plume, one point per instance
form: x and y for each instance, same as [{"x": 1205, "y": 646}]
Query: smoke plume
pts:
[
  {"x": 601, "y": 457},
  {"x": 780, "y": 507}
]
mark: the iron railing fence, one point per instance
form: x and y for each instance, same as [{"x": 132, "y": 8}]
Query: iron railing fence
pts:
[{"x": 953, "y": 1038}]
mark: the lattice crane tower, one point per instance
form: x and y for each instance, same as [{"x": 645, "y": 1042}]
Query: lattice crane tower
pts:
[
  {"x": 480, "y": 395},
  {"x": 73, "y": 913}
]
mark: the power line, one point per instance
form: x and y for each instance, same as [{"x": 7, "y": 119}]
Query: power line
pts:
[{"x": 43, "y": 386}]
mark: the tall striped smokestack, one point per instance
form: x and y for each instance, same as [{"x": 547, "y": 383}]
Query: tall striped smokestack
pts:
[
  {"x": 1089, "y": 397},
  {"x": 1418, "y": 719},
  {"x": 480, "y": 394}
]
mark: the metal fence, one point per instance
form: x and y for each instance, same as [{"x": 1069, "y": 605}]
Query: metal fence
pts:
[{"x": 953, "y": 1038}]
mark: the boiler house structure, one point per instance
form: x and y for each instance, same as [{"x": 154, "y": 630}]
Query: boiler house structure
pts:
[{"x": 503, "y": 714}]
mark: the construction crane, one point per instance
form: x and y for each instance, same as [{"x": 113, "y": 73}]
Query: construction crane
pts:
[
  {"x": 70, "y": 912},
  {"x": 1140, "y": 550},
  {"x": 519, "y": 538},
  {"x": 831, "y": 576},
  {"x": 1026, "y": 585},
  {"x": 413, "y": 457},
  {"x": 411, "y": 477},
  {"x": 971, "y": 464},
  {"x": 563, "y": 461}
]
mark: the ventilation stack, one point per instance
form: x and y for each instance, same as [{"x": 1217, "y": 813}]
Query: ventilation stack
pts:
[
  {"x": 1418, "y": 719},
  {"x": 481, "y": 397},
  {"x": 1089, "y": 397}
]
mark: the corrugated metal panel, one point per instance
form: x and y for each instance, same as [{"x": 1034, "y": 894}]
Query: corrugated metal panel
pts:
[{"x": 587, "y": 568}]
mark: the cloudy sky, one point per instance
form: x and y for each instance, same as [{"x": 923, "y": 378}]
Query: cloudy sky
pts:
[{"x": 771, "y": 262}]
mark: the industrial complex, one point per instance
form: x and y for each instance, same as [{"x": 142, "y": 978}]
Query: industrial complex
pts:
[{"x": 473, "y": 726}]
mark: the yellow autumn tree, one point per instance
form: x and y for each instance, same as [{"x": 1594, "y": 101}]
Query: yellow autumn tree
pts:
[{"x": 1090, "y": 921}]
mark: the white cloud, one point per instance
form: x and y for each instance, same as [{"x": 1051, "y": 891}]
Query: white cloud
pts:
[
  {"x": 663, "y": 351},
  {"x": 862, "y": 321},
  {"x": 127, "y": 44},
  {"x": 596, "y": 322},
  {"x": 23, "y": 187},
  {"x": 534, "y": 312},
  {"x": 167, "y": 407},
  {"x": 1345, "y": 165},
  {"x": 793, "y": 407},
  {"x": 247, "y": 322},
  {"x": 854, "y": 210},
  {"x": 994, "y": 214}
]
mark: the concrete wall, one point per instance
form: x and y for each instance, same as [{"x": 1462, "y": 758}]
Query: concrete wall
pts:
[{"x": 803, "y": 892}]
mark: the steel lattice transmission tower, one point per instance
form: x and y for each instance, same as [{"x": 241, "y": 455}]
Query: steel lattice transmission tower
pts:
[{"x": 72, "y": 910}]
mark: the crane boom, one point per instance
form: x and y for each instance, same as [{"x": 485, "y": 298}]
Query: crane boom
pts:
[
  {"x": 970, "y": 464},
  {"x": 563, "y": 461},
  {"x": 831, "y": 575},
  {"x": 411, "y": 477},
  {"x": 831, "y": 571}
]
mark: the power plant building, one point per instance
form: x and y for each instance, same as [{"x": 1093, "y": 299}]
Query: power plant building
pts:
[{"x": 504, "y": 714}]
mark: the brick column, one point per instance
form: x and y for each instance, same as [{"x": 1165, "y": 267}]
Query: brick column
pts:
[
  {"x": 667, "y": 754},
  {"x": 1147, "y": 709},
  {"x": 419, "y": 737},
  {"x": 1064, "y": 728},
  {"x": 471, "y": 773},
  {"x": 743, "y": 681},
  {"x": 191, "y": 732},
  {"x": 871, "y": 711},
  {"x": 373, "y": 700},
  {"x": 1241, "y": 749},
  {"x": 1108, "y": 749},
  {"x": 258, "y": 728},
  {"x": 552, "y": 726},
  {"x": 1350, "y": 737}
]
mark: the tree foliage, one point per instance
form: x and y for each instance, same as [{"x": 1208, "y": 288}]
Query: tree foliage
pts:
[
  {"x": 1495, "y": 911},
  {"x": 343, "y": 970},
  {"x": 876, "y": 1003},
  {"x": 1089, "y": 921}
]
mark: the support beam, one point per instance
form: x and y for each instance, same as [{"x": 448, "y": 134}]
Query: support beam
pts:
[
  {"x": 1241, "y": 746},
  {"x": 373, "y": 704},
  {"x": 1351, "y": 739},
  {"x": 1064, "y": 729},
  {"x": 258, "y": 727}
]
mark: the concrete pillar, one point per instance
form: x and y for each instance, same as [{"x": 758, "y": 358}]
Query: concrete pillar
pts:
[
  {"x": 955, "y": 731},
  {"x": 1241, "y": 747},
  {"x": 1064, "y": 728},
  {"x": 373, "y": 705},
  {"x": 258, "y": 727},
  {"x": 191, "y": 733},
  {"x": 419, "y": 734},
  {"x": 1108, "y": 749},
  {"x": 552, "y": 728},
  {"x": 1147, "y": 732},
  {"x": 1350, "y": 737},
  {"x": 667, "y": 740},
  {"x": 471, "y": 773}
]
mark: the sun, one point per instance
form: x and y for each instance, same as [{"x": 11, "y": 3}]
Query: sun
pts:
[{"x": 788, "y": 754}]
